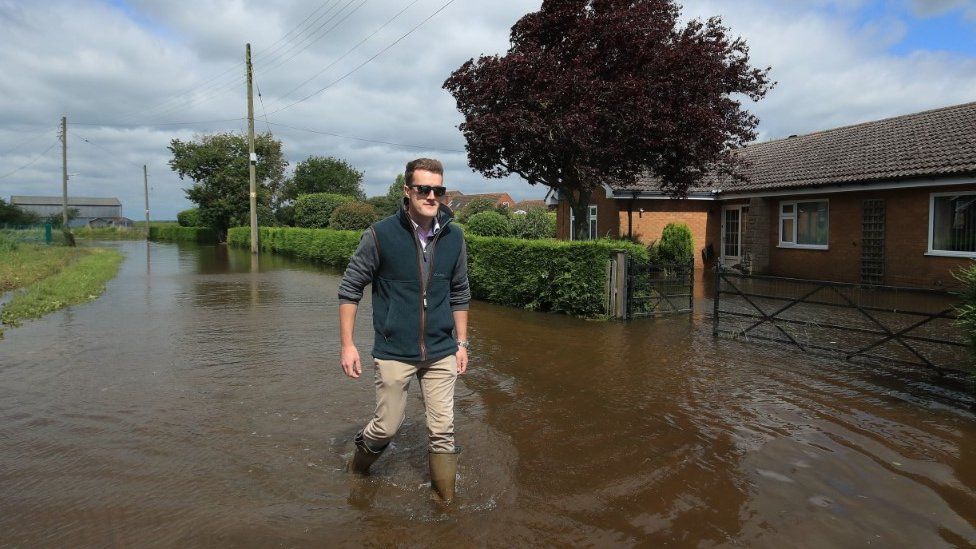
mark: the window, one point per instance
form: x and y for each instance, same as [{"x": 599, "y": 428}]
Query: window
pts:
[
  {"x": 803, "y": 224},
  {"x": 952, "y": 224},
  {"x": 591, "y": 228}
]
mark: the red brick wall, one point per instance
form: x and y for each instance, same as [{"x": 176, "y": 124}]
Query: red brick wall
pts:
[
  {"x": 906, "y": 241},
  {"x": 606, "y": 216},
  {"x": 697, "y": 214}
]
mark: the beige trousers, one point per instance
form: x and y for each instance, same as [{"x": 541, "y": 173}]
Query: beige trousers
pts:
[{"x": 392, "y": 379}]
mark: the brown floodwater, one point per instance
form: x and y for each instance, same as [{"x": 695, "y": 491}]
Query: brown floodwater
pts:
[{"x": 199, "y": 402}]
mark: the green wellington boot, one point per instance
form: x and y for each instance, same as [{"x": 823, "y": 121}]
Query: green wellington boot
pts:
[
  {"x": 443, "y": 473},
  {"x": 364, "y": 456}
]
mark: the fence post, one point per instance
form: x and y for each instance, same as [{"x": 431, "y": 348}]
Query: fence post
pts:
[
  {"x": 715, "y": 300},
  {"x": 621, "y": 303},
  {"x": 48, "y": 237},
  {"x": 691, "y": 285}
]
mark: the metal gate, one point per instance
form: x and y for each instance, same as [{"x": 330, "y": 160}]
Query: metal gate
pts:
[
  {"x": 660, "y": 288},
  {"x": 903, "y": 325}
]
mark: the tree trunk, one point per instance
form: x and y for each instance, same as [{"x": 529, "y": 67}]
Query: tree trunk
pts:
[{"x": 579, "y": 205}]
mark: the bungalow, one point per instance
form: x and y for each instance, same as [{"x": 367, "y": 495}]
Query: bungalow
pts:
[{"x": 885, "y": 202}]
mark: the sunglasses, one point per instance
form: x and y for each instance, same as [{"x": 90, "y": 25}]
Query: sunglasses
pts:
[{"x": 424, "y": 190}]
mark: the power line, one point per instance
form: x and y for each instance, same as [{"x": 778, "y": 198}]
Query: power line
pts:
[
  {"x": 133, "y": 124},
  {"x": 261, "y": 99},
  {"x": 341, "y": 57},
  {"x": 367, "y": 140},
  {"x": 277, "y": 63},
  {"x": 23, "y": 144},
  {"x": 364, "y": 63},
  {"x": 31, "y": 163},
  {"x": 212, "y": 83},
  {"x": 90, "y": 142}
]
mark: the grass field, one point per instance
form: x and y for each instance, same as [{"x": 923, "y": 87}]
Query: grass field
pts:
[{"x": 48, "y": 278}]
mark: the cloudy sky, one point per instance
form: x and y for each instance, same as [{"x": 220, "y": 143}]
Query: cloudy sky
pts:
[{"x": 361, "y": 79}]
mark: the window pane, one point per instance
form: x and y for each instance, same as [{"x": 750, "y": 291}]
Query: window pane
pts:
[
  {"x": 954, "y": 224},
  {"x": 811, "y": 223},
  {"x": 787, "y": 208},
  {"x": 786, "y": 233}
]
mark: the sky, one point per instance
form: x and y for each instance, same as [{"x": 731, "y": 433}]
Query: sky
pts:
[{"x": 361, "y": 80}]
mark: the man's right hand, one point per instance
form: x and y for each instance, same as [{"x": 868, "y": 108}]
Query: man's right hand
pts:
[{"x": 349, "y": 359}]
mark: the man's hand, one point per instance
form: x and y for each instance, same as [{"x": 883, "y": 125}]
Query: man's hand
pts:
[
  {"x": 349, "y": 359},
  {"x": 462, "y": 360}
]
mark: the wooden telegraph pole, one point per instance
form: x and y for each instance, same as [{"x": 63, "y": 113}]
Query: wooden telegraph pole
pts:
[
  {"x": 145, "y": 184},
  {"x": 64, "y": 172},
  {"x": 252, "y": 157}
]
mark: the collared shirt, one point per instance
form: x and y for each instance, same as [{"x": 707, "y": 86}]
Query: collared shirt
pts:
[{"x": 425, "y": 235}]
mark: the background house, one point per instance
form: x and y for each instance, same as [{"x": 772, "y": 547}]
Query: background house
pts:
[
  {"x": 885, "y": 202},
  {"x": 455, "y": 200},
  {"x": 89, "y": 208}
]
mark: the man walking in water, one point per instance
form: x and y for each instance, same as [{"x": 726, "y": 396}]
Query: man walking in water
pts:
[{"x": 417, "y": 264}]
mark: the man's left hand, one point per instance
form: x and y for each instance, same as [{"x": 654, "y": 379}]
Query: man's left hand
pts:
[{"x": 462, "y": 360}]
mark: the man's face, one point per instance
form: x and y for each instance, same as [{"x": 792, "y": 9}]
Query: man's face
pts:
[{"x": 424, "y": 204}]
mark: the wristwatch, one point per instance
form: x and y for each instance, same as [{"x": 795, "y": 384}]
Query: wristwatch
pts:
[{"x": 465, "y": 343}]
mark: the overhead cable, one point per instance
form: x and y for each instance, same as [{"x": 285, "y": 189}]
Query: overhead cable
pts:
[{"x": 364, "y": 63}]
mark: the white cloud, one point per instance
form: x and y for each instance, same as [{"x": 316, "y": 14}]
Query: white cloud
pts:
[{"x": 96, "y": 63}]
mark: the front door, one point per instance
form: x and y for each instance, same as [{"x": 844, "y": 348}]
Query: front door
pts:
[{"x": 733, "y": 221}]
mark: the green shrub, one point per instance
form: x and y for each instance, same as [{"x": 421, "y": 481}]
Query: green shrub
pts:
[
  {"x": 353, "y": 216},
  {"x": 175, "y": 233},
  {"x": 189, "y": 218},
  {"x": 967, "y": 309},
  {"x": 536, "y": 223},
  {"x": 676, "y": 243},
  {"x": 314, "y": 210},
  {"x": 489, "y": 223},
  {"x": 317, "y": 245}
]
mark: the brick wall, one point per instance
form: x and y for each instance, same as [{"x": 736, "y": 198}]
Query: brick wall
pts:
[
  {"x": 755, "y": 240},
  {"x": 649, "y": 224},
  {"x": 606, "y": 216},
  {"x": 906, "y": 241}
]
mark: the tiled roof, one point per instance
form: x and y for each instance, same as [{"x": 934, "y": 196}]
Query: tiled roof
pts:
[
  {"x": 57, "y": 200},
  {"x": 527, "y": 204},
  {"x": 936, "y": 143}
]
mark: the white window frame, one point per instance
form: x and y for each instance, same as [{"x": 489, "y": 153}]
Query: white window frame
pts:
[
  {"x": 943, "y": 253},
  {"x": 591, "y": 225},
  {"x": 792, "y": 216}
]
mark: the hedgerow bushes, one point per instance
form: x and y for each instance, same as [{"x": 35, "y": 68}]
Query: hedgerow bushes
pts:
[
  {"x": 544, "y": 275},
  {"x": 352, "y": 216},
  {"x": 189, "y": 218},
  {"x": 202, "y": 235},
  {"x": 318, "y": 245}
]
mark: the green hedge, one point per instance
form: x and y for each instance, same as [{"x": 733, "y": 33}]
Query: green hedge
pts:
[
  {"x": 319, "y": 245},
  {"x": 544, "y": 275},
  {"x": 202, "y": 235}
]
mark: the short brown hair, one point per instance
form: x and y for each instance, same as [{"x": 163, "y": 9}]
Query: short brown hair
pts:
[{"x": 426, "y": 164}]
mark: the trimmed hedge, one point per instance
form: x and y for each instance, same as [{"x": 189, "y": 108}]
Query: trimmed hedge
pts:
[
  {"x": 489, "y": 223},
  {"x": 352, "y": 216},
  {"x": 175, "y": 233},
  {"x": 319, "y": 245},
  {"x": 544, "y": 275}
]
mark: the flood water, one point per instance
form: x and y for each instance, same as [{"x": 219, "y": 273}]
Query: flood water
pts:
[{"x": 199, "y": 402}]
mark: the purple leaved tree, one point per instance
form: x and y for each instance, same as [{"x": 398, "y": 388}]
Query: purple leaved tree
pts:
[{"x": 593, "y": 91}]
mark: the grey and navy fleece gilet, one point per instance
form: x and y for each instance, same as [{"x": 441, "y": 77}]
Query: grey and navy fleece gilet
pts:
[{"x": 415, "y": 291}]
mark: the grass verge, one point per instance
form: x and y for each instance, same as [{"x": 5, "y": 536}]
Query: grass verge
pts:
[
  {"x": 110, "y": 233},
  {"x": 73, "y": 276}
]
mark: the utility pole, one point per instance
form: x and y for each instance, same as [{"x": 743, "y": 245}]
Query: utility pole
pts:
[
  {"x": 145, "y": 183},
  {"x": 64, "y": 172},
  {"x": 252, "y": 157}
]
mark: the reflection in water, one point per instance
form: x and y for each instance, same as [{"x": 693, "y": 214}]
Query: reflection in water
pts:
[{"x": 198, "y": 402}]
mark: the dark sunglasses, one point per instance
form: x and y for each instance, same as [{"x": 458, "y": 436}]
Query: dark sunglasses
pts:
[{"x": 424, "y": 190}]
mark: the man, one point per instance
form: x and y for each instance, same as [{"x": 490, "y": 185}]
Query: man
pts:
[{"x": 417, "y": 264}]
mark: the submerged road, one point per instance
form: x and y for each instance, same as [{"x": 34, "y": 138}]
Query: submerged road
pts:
[{"x": 199, "y": 402}]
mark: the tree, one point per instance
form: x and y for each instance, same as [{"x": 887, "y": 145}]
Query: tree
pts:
[
  {"x": 389, "y": 203},
  {"x": 477, "y": 206},
  {"x": 317, "y": 174},
  {"x": 315, "y": 210},
  {"x": 218, "y": 166},
  {"x": 11, "y": 214},
  {"x": 352, "y": 216},
  {"x": 598, "y": 90}
]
